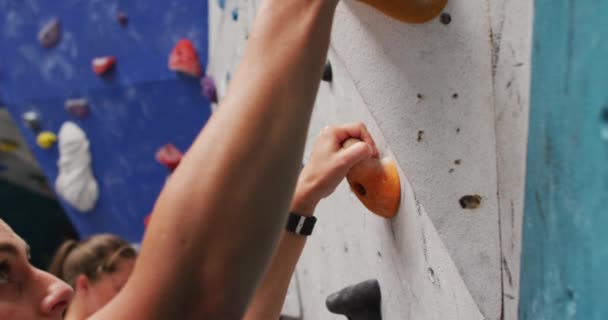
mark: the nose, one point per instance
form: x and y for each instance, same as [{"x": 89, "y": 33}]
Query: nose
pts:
[{"x": 57, "y": 297}]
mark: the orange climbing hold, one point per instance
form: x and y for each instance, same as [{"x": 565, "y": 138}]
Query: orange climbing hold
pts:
[
  {"x": 183, "y": 59},
  {"x": 376, "y": 183},
  {"x": 411, "y": 11}
]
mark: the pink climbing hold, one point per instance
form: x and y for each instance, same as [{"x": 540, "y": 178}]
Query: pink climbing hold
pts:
[
  {"x": 169, "y": 156},
  {"x": 209, "y": 89}
]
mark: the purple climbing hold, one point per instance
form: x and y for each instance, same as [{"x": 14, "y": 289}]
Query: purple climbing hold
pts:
[
  {"x": 77, "y": 107},
  {"x": 32, "y": 120},
  {"x": 50, "y": 33},
  {"x": 122, "y": 18},
  {"x": 209, "y": 89}
]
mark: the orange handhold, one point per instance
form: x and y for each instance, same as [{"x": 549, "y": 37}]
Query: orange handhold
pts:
[
  {"x": 376, "y": 183},
  {"x": 411, "y": 11}
]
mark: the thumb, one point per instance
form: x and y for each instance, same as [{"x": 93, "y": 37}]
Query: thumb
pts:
[{"x": 354, "y": 153}]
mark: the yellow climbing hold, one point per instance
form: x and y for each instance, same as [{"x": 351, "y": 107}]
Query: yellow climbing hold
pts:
[{"x": 46, "y": 139}]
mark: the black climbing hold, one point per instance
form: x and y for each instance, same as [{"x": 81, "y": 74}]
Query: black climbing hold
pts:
[
  {"x": 328, "y": 74},
  {"x": 77, "y": 107},
  {"x": 445, "y": 18},
  {"x": 470, "y": 201},
  {"x": 32, "y": 120},
  {"x": 50, "y": 33},
  {"x": 455, "y": 96},
  {"x": 357, "y": 302},
  {"x": 122, "y": 18}
]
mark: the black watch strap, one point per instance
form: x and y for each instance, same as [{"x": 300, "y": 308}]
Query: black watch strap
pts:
[{"x": 299, "y": 224}]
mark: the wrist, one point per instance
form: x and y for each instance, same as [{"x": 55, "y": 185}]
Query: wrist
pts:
[{"x": 303, "y": 204}]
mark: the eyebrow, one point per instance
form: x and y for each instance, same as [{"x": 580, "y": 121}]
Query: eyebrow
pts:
[{"x": 11, "y": 249}]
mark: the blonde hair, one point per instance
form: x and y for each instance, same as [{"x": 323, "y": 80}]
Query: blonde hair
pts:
[{"x": 97, "y": 255}]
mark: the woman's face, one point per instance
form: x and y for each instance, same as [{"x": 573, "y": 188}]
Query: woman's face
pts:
[
  {"x": 109, "y": 285},
  {"x": 27, "y": 293}
]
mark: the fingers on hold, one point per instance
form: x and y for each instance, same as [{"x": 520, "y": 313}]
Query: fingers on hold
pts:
[
  {"x": 359, "y": 130},
  {"x": 352, "y": 155}
]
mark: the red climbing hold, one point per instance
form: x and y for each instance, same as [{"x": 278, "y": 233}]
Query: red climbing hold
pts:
[
  {"x": 101, "y": 65},
  {"x": 183, "y": 59},
  {"x": 147, "y": 220},
  {"x": 169, "y": 156}
]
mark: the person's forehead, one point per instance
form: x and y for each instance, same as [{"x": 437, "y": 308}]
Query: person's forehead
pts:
[{"x": 7, "y": 234}]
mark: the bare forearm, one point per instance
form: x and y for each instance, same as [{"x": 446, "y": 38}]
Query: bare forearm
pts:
[
  {"x": 270, "y": 295},
  {"x": 224, "y": 207}
]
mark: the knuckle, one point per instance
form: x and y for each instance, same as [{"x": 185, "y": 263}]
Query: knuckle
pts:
[{"x": 329, "y": 130}]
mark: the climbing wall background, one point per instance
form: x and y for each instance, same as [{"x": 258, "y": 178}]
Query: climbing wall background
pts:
[
  {"x": 134, "y": 109},
  {"x": 449, "y": 101}
]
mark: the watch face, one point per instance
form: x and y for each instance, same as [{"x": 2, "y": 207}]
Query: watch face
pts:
[{"x": 300, "y": 224}]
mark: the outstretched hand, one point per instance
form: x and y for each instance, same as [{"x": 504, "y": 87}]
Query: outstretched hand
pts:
[{"x": 330, "y": 162}]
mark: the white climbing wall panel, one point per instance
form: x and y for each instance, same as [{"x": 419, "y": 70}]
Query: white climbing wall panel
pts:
[{"x": 461, "y": 87}]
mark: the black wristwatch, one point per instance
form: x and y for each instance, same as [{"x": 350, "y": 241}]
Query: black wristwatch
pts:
[{"x": 299, "y": 224}]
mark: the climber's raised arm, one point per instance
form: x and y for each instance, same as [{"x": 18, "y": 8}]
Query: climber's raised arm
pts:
[{"x": 217, "y": 221}]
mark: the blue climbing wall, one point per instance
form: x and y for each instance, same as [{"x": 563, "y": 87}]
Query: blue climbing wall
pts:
[
  {"x": 565, "y": 255},
  {"x": 135, "y": 110}
]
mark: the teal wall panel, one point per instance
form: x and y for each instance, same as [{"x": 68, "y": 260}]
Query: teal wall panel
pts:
[{"x": 565, "y": 247}]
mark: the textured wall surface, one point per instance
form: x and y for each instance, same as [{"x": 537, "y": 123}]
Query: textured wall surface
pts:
[
  {"x": 564, "y": 254},
  {"x": 465, "y": 85}
]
